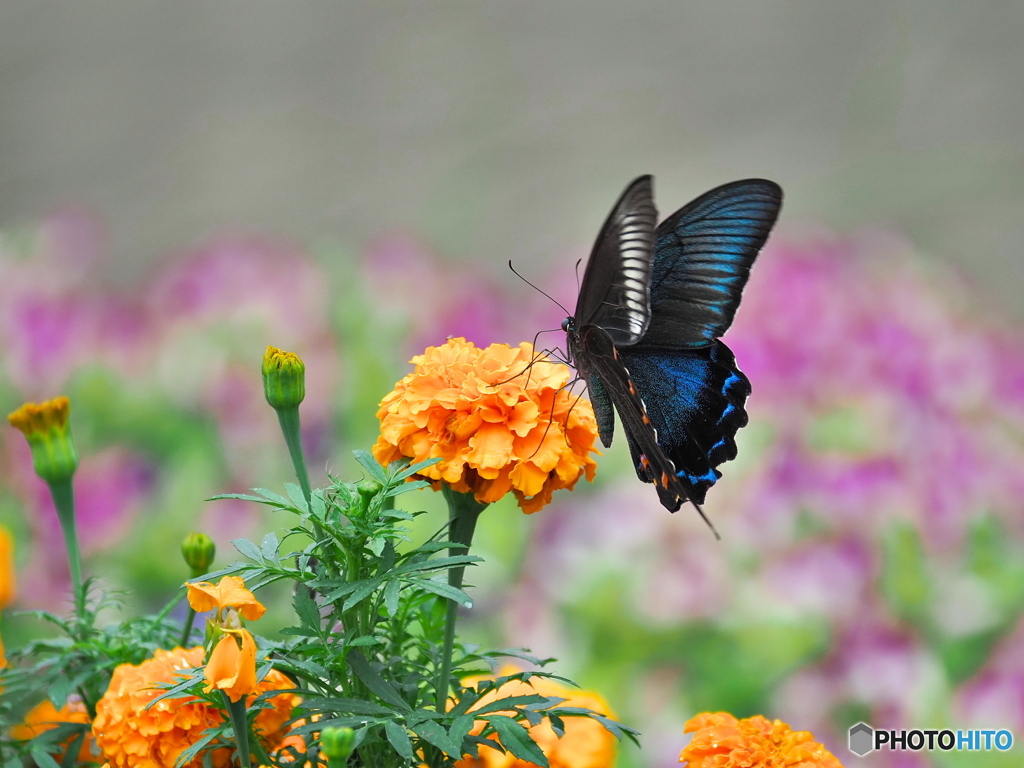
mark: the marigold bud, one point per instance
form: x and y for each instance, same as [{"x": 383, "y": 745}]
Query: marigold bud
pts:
[
  {"x": 336, "y": 744},
  {"x": 45, "y": 426},
  {"x": 198, "y": 550},
  {"x": 284, "y": 378}
]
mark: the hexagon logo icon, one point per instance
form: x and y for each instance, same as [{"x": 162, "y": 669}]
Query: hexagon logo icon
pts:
[{"x": 862, "y": 739}]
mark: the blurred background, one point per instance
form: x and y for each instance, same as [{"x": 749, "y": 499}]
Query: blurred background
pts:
[{"x": 181, "y": 185}]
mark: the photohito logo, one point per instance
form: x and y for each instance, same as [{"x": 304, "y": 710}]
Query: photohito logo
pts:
[{"x": 865, "y": 739}]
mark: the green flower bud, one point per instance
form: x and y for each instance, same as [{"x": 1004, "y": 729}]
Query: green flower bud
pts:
[
  {"x": 284, "y": 378},
  {"x": 198, "y": 550},
  {"x": 336, "y": 744},
  {"x": 45, "y": 426},
  {"x": 368, "y": 489}
]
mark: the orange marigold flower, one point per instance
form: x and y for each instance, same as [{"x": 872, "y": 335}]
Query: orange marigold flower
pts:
[
  {"x": 586, "y": 743},
  {"x": 722, "y": 741},
  {"x": 231, "y": 668},
  {"x": 229, "y": 592},
  {"x": 7, "y": 578},
  {"x": 496, "y": 426},
  {"x": 132, "y": 734},
  {"x": 44, "y": 716}
]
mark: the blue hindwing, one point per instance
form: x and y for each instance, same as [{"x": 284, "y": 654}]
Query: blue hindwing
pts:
[{"x": 695, "y": 400}]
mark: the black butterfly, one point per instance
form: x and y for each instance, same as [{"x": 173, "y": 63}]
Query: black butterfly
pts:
[{"x": 645, "y": 334}]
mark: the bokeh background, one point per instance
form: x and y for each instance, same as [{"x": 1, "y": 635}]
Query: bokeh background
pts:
[{"x": 183, "y": 184}]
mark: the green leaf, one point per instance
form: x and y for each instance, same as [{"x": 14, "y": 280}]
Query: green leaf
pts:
[
  {"x": 460, "y": 729},
  {"x": 371, "y": 465},
  {"x": 511, "y": 702},
  {"x": 399, "y": 739},
  {"x": 296, "y": 495},
  {"x": 444, "y": 590},
  {"x": 377, "y": 685},
  {"x": 348, "y": 706},
  {"x": 306, "y": 609},
  {"x": 362, "y": 591},
  {"x": 269, "y": 547},
  {"x": 247, "y": 549},
  {"x": 415, "y": 469},
  {"x": 516, "y": 740},
  {"x": 391, "y": 596},
  {"x": 430, "y": 731}
]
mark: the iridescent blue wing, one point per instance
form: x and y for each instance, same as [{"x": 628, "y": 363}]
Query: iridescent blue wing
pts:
[
  {"x": 695, "y": 401},
  {"x": 702, "y": 257}
]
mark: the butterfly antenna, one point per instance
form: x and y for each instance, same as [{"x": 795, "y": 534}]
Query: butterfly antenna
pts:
[
  {"x": 538, "y": 290},
  {"x": 578, "y": 262}
]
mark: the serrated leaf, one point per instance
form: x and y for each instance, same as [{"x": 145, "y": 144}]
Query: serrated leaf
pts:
[
  {"x": 516, "y": 740},
  {"x": 376, "y": 545},
  {"x": 247, "y": 549},
  {"x": 362, "y": 591},
  {"x": 430, "y": 731},
  {"x": 510, "y": 702},
  {"x": 398, "y": 490},
  {"x": 391, "y": 592},
  {"x": 269, "y": 547},
  {"x": 557, "y": 724},
  {"x": 306, "y": 609},
  {"x": 297, "y": 497},
  {"x": 438, "y": 563},
  {"x": 415, "y": 469},
  {"x": 360, "y": 642},
  {"x": 371, "y": 465},
  {"x": 346, "y": 705},
  {"x": 377, "y": 685},
  {"x": 399, "y": 739},
  {"x": 460, "y": 728},
  {"x": 444, "y": 590}
]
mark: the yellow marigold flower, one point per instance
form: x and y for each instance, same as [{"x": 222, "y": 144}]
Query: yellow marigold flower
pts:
[
  {"x": 232, "y": 668},
  {"x": 7, "y": 573},
  {"x": 586, "y": 743},
  {"x": 228, "y": 593},
  {"x": 496, "y": 426},
  {"x": 44, "y": 716},
  {"x": 132, "y": 734},
  {"x": 45, "y": 426},
  {"x": 722, "y": 741}
]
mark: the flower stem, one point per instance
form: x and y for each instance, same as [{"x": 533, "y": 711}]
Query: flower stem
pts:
[
  {"x": 289, "y": 421},
  {"x": 236, "y": 711},
  {"x": 64, "y": 502},
  {"x": 463, "y": 511},
  {"x": 187, "y": 629}
]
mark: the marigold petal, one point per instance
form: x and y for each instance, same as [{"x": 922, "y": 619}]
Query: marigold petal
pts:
[
  {"x": 231, "y": 668},
  {"x": 229, "y": 592}
]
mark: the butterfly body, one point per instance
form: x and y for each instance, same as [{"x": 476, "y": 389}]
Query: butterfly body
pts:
[{"x": 644, "y": 337}]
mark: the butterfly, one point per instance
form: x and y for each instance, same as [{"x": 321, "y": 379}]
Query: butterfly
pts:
[{"x": 645, "y": 335}]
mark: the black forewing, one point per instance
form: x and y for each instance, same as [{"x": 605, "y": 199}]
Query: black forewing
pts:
[
  {"x": 615, "y": 291},
  {"x": 702, "y": 258}
]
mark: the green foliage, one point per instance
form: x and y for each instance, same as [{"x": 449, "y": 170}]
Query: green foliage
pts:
[
  {"x": 365, "y": 648},
  {"x": 77, "y": 661},
  {"x": 370, "y": 618}
]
